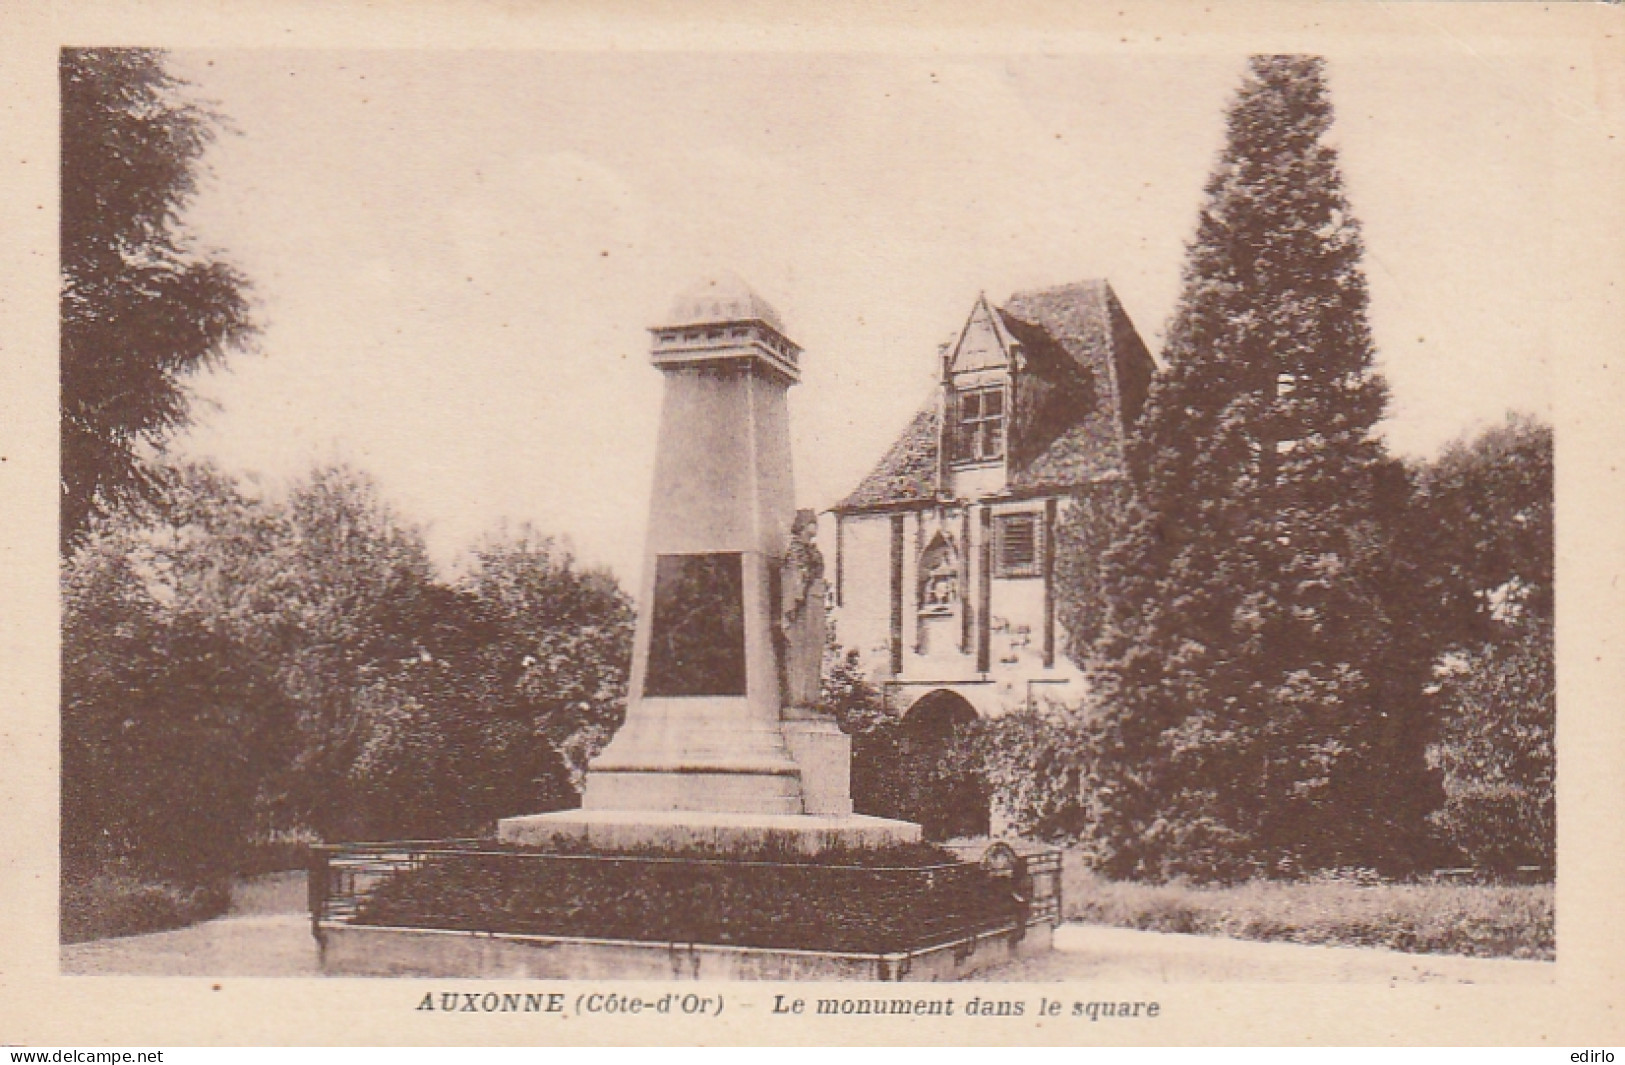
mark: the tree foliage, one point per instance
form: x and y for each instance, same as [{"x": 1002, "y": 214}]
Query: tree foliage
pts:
[
  {"x": 552, "y": 663},
  {"x": 1496, "y": 750},
  {"x": 1260, "y": 706},
  {"x": 237, "y": 665},
  {"x": 1480, "y": 534},
  {"x": 923, "y": 767},
  {"x": 1035, "y": 762},
  {"x": 167, "y": 726},
  {"x": 168, "y": 723},
  {"x": 140, "y": 307},
  {"x": 845, "y": 691}
]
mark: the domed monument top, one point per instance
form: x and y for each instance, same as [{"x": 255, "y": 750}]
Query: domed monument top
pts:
[
  {"x": 721, "y": 321},
  {"x": 723, "y": 297}
]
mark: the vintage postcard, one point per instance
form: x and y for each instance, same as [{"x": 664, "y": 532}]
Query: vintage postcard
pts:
[{"x": 1014, "y": 524}]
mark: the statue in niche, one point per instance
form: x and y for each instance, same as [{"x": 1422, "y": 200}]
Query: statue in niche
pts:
[
  {"x": 800, "y": 627},
  {"x": 939, "y": 577},
  {"x": 941, "y": 589},
  {"x": 939, "y": 597}
]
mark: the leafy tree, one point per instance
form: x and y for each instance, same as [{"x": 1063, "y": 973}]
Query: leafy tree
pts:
[
  {"x": 345, "y": 596},
  {"x": 502, "y": 711},
  {"x": 439, "y": 756},
  {"x": 306, "y": 641},
  {"x": 565, "y": 640},
  {"x": 169, "y": 724},
  {"x": 1479, "y": 532},
  {"x": 1259, "y": 704},
  {"x": 140, "y": 307},
  {"x": 1479, "y": 535},
  {"x": 326, "y": 587},
  {"x": 927, "y": 768},
  {"x": 1497, "y": 753}
]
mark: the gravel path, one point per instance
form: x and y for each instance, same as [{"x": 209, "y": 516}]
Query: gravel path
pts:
[{"x": 267, "y": 933}]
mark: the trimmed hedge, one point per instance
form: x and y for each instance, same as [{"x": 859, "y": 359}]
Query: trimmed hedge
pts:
[{"x": 882, "y": 900}]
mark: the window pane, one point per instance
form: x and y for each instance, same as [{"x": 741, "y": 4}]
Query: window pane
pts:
[{"x": 979, "y": 434}]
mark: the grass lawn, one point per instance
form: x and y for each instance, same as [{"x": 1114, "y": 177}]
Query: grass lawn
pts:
[{"x": 1476, "y": 920}]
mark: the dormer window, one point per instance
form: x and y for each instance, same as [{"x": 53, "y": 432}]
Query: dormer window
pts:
[{"x": 979, "y": 435}]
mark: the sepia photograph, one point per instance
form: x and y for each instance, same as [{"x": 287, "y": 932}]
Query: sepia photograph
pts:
[{"x": 946, "y": 510}]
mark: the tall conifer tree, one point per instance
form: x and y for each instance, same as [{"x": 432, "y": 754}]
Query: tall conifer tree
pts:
[{"x": 1259, "y": 699}]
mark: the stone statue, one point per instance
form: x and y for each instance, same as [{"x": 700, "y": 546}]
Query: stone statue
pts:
[{"x": 801, "y": 614}]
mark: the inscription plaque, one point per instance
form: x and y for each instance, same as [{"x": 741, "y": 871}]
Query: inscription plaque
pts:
[{"x": 697, "y": 642}]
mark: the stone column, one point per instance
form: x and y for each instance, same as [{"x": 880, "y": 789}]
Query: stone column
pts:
[{"x": 702, "y": 727}]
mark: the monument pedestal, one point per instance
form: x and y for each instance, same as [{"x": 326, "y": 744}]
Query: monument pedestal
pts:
[
  {"x": 698, "y": 753},
  {"x": 724, "y": 833},
  {"x": 823, "y": 753}
]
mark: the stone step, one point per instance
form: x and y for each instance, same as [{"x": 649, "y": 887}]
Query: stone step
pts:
[{"x": 727, "y": 832}]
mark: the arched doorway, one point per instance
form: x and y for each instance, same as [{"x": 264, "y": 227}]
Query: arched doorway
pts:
[{"x": 922, "y": 769}]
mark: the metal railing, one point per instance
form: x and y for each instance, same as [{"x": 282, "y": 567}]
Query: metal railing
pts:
[
  {"x": 1043, "y": 871},
  {"x": 343, "y": 876}
]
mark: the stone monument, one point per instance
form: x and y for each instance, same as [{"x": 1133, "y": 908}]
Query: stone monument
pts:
[{"x": 723, "y": 745}]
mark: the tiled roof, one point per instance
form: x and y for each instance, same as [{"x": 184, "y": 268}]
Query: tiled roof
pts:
[
  {"x": 1081, "y": 351},
  {"x": 908, "y": 472},
  {"x": 1090, "y": 326}
]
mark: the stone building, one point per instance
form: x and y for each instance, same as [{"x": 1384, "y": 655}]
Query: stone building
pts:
[{"x": 943, "y": 557}]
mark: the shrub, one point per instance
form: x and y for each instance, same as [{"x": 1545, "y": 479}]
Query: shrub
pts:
[
  {"x": 861, "y": 901},
  {"x": 1034, "y": 762},
  {"x": 1497, "y": 753},
  {"x": 277, "y": 853},
  {"x": 121, "y": 902}
]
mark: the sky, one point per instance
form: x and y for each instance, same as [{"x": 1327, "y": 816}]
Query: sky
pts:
[{"x": 455, "y": 255}]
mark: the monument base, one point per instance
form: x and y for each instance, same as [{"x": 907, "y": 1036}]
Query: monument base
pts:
[
  {"x": 363, "y": 950},
  {"x": 823, "y": 753},
  {"x": 691, "y": 790},
  {"x": 696, "y": 753},
  {"x": 728, "y": 833}
]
